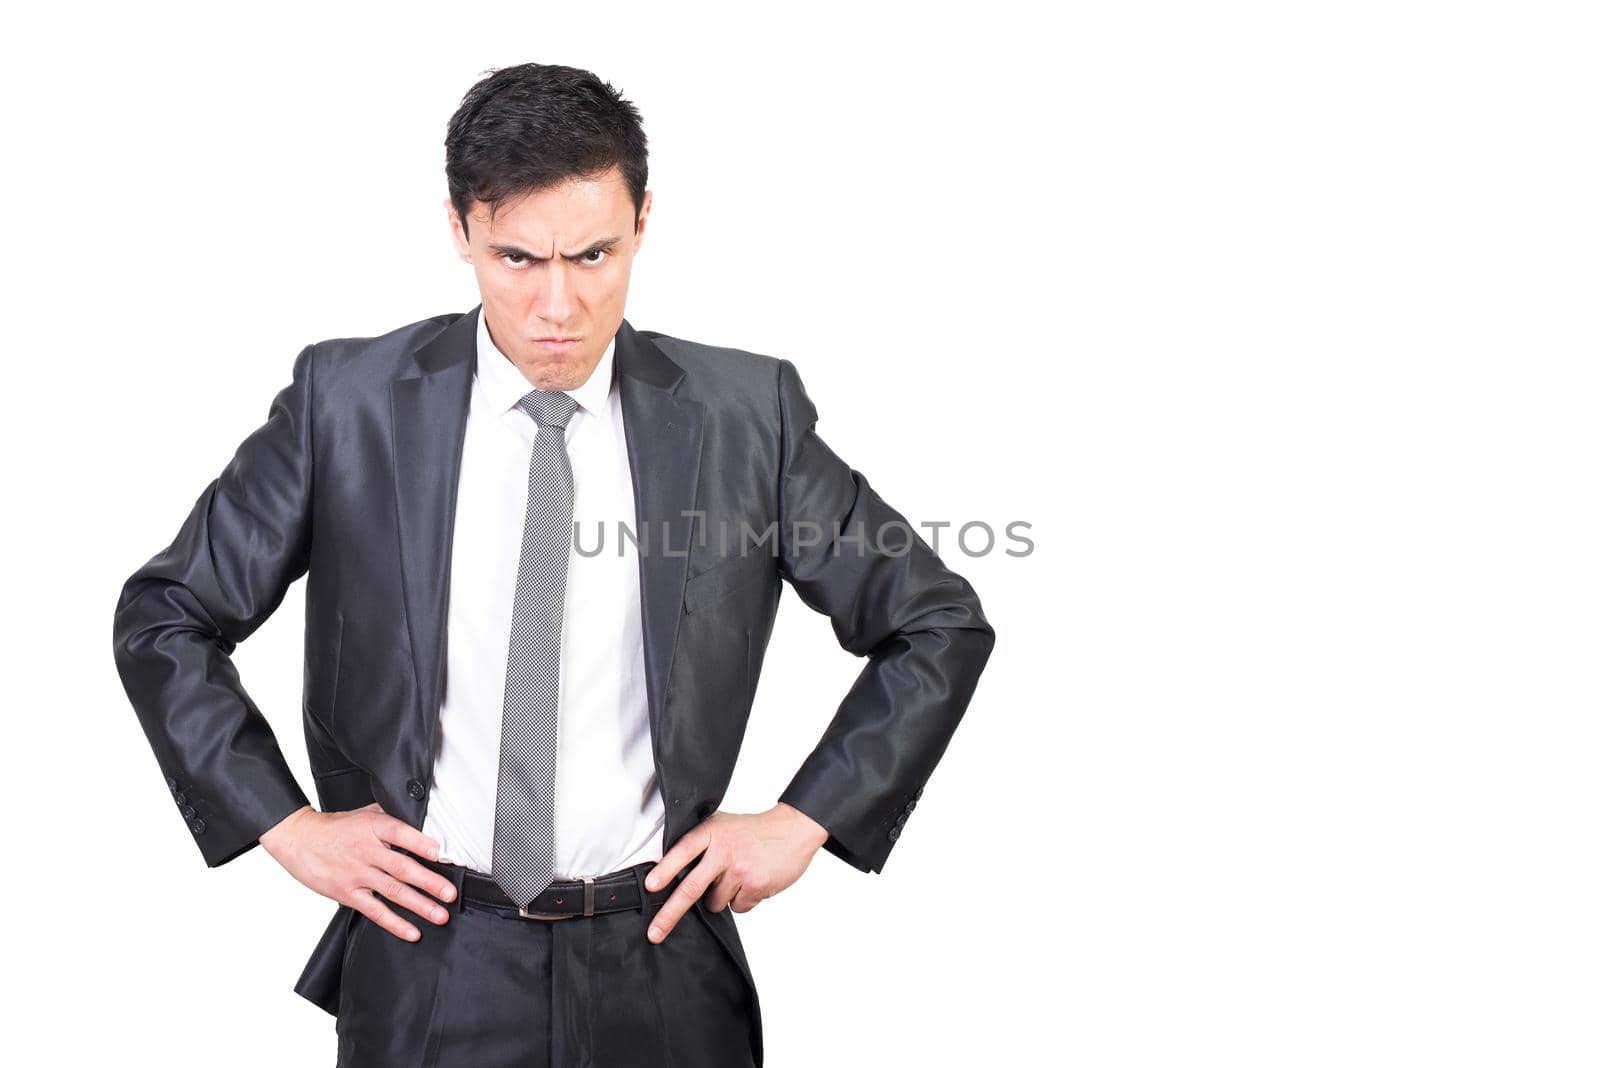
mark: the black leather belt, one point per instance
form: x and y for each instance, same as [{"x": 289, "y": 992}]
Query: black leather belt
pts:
[{"x": 564, "y": 899}]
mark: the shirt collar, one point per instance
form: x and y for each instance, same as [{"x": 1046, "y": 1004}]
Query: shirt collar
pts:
[{"x": 505, "y": 384}]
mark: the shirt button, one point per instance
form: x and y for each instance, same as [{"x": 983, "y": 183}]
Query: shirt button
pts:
[
  {"x": 894, "y": 832},
  {"x": 197, "y": 826},
  {"x": 188, "y": 811},
  {"x": 172, "y": 784},
  {"x": 180, "y": 797},
  {"x": 416, "y": 789}
]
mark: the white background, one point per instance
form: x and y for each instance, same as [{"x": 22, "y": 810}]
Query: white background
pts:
[{"x": 1277, "y": 322}]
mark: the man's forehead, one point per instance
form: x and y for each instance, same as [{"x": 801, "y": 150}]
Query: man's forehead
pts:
[{"x": 535, "y": 219}]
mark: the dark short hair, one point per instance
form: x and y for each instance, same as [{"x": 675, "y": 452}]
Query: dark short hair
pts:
[{"x": 530, "y": 127}]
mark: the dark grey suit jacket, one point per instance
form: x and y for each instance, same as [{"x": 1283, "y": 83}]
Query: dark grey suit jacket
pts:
[{"x": 351, "y": 481}]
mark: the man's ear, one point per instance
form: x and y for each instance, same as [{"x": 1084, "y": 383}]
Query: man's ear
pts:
[
  {"x": 644, "y": 216},
  {"x": 457, "y": 231}
]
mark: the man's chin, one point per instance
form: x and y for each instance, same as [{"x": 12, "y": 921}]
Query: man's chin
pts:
[{"x": 562, "y": 373}]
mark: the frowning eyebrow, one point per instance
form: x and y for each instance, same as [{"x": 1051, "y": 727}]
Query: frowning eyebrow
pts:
[{"x": 605, "y": 244}]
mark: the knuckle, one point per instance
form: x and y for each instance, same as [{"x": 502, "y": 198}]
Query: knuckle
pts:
[{"x": 431, "y": 884}]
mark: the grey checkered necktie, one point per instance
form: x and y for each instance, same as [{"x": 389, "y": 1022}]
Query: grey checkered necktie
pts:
[{"x": 524, "y": 811}]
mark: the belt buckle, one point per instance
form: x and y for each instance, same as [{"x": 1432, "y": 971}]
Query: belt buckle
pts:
[{"x": 588, "y": 906}]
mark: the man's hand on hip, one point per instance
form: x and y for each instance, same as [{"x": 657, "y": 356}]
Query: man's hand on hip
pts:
[
  {"x": 346, "y": 856},
  {"x": 746, "y": 859}
]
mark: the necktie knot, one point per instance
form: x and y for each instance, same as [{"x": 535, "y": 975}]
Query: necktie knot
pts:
[{"x": 549, "y": 409}]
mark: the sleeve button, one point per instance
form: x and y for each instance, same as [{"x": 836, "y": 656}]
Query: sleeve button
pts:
[
  {"x": 894, "y": 832},
  {"x": 416, "y": 789}
]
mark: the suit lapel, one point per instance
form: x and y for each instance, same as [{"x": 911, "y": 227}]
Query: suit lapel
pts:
[
  {"x": 664, "y": 433},
  {"x": 428, "y": 409}
]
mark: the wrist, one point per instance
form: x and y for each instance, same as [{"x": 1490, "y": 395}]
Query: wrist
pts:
[
  {"x": 278, "y": 830},
  {"x": 813, "y": 832}
]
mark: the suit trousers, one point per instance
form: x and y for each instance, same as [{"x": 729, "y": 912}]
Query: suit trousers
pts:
[{"x": 485, "y": 990}]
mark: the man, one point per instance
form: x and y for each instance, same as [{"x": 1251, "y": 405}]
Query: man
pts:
[{"x": 521, "y": 716}]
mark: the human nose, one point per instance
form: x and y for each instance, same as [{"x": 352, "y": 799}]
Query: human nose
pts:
[{"x": 554, "y": 302}]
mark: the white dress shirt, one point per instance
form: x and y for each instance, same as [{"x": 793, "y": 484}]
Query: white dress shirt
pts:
[{"x": 609, "y": 811}]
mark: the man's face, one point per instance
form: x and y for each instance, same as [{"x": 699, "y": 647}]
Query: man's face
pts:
[{"x": 553, "y": 271}]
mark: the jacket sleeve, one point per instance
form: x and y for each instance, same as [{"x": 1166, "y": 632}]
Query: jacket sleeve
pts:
[
  {"x": 892, "y": 600},
  {"x": 180, "y": 616}
]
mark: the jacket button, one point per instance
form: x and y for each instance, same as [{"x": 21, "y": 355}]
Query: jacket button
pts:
[
  {"x": 416, "y": 789},
  {"x": 188, "y": 811},
  {"x": 197, "y": 826}
]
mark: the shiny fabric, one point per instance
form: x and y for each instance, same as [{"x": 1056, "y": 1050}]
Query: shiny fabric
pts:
[
  {"x": 486, "y": 991},
  {"x": 525, "y": 801},
  {"x": 351, "y": 482}
]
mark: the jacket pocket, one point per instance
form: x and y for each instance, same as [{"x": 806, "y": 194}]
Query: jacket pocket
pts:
[
  {"x": 721, "y": 579},
  {"x": 343, "y": 789}
]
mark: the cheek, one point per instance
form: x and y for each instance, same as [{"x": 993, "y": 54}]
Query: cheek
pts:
[
  {"x": 490, "y": 277},
  {"x": 506, "y": 289},
  {"x": 610, "y": 290}
]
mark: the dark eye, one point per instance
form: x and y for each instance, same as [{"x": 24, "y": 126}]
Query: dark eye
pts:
[{"x": 600, "y": 252}]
